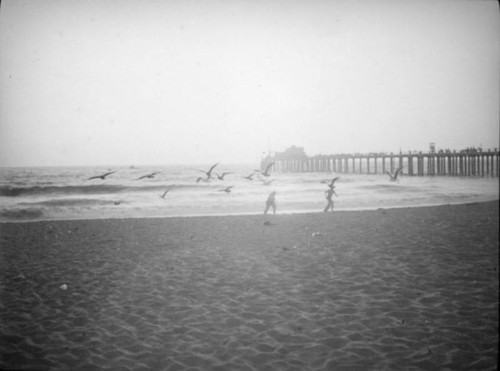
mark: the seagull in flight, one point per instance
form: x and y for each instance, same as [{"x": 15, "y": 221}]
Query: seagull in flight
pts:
[
  {"x": 221, "y": 176},
  {"x": 268, "y": 168},
  {"x": 332, "y": 183},
  {"x": 209, "y": 172},
  {"x": 103, "y": 176},
  {"x": 249, "y": 177},
  {"x": 150, "y": 176},
  {"x": 394, "y": 177},
  {"x": 227, "y": 190},
  {"x": 165, "y": 193}
]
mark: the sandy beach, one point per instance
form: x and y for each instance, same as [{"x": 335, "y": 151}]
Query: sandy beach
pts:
[{"x": 392, "y": 289}]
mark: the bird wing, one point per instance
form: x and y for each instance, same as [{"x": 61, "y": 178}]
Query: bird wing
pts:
[
  {"x": 150, "y": 175},
  {"x": 269, "y": 167},
  {"x": 108, "y": 173},
  {"x": 397, "y": 172},
  {"x": 102, "y": 176},
  {"x": 334, "y": 180},
  {"x": 388, "y": 173},
  {"x": 210, "y": 171}
]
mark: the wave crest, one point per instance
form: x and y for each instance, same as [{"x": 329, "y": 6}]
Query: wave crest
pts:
[{"x": 8, "y": 191}]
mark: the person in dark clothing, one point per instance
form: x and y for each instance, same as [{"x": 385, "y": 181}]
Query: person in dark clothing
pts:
[
  {"x": 329, "y": 194},
  {"x": 271, "y": 202}
]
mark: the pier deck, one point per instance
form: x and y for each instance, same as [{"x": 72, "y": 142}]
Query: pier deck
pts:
[{"x": 463, "y": 163}]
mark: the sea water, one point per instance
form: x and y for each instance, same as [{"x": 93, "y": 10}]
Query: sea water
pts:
[{"x": 55, "y": 193}]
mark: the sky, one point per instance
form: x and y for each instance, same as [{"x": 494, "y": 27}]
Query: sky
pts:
[{"x": 118, "y": 82}]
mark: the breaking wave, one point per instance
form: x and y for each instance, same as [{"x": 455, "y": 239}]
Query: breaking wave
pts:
[{"x": 8, "y": 191}]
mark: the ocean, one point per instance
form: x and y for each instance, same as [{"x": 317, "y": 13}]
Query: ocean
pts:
[{"x": 61, "y": 193}]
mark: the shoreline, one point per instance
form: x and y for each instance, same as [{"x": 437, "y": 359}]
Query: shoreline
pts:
[
  {"x": 291, "y": 212},
  {"x": 381, "y": 289}
]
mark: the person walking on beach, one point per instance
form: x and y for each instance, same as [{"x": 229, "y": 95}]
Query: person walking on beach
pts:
[
  {"x": 271, "y": 202},
  {"x": 329, "y": 194}
]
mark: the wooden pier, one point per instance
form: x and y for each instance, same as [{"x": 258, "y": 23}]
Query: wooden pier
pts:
[{"x": 463, "y": 163}]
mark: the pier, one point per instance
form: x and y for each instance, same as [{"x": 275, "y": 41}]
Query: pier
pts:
[{"x": 480, "y": 163}]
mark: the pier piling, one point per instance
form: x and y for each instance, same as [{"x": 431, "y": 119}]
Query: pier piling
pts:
[{"x": 473, "y": 163}]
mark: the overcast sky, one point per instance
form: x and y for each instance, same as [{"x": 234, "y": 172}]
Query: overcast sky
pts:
[{"x": 117, "y": 82}]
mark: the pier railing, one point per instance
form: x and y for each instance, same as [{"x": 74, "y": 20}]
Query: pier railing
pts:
[{"x": 463, "y": 163}]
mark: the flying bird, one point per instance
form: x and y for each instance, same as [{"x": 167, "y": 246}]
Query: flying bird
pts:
[
  {"x": 249, "y": 177},
  {"x": 227, "y": 190},
  {"x": 164, "y": 193},
  {"x": 268, "y": 168},
  {"x": 332, "y": 183},
  {"x": 221, "y": 176},
  {"x": 150, "y": 176},
  {"x": 103, "y": 176},
  {"x": 394, "y": 177},
  {"x": 209, "y": 172}
]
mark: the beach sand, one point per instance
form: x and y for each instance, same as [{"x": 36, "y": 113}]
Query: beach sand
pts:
[{"x": 394, "y": 289}]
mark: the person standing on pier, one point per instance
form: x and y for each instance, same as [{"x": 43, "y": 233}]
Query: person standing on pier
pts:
[
  {"x": 329, "y": 194},
  {"x": 271, "y": 202}
]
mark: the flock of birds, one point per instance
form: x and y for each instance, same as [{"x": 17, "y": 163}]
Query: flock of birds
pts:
[{"x": 209, "y": 175}]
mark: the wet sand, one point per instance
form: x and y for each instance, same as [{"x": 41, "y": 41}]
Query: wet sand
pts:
[{"x": 413, "y": 288}]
